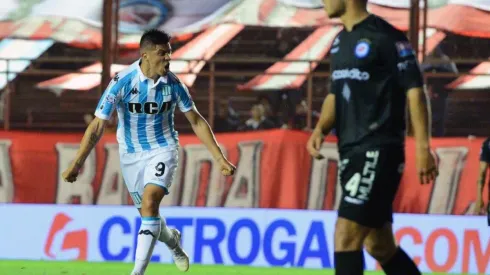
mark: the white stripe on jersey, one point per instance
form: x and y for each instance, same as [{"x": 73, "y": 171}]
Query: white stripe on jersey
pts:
[{"x": 150, "y": 121}]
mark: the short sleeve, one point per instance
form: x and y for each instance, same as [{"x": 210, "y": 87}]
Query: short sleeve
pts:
[
  {"x": 184, "y": 99},
  {"x": 109, "y": 100},
  {"x": 397, "y": 51},
  {"x": 485, "y": 151}
]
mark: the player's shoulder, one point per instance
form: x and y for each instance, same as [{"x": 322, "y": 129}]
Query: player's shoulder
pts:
[
  {"x": 126, "y": 75},
  {"x": 388, "y": 31},
  {"x": 173, "y": 78},
  {"x": 178, "y": 86}
]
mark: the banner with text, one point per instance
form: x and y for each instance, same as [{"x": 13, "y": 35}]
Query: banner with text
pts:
[
  {"x": 224, "y": 236},
  {"x": 274, "y": 170}
]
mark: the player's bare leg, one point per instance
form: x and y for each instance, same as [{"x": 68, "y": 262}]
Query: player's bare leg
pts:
[
  {"x": 171, "y": 237},
  {"x": 349, "y": 239},
  {"x": 150, "y": 227},
  {"x": 380, "y": 244}
]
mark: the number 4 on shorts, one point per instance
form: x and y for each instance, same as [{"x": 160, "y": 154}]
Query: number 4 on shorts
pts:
[{"x": 353, "y": 185}]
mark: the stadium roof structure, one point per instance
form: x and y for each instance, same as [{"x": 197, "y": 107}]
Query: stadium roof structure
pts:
[
  {"x": 218, "y": 22},
  {"x": 477, "y": 81},
  {"x": 16, "y": 56},
  {"x": 315, "y": 47},
  {"x": 78, "y": 23},
  {"x": 202, "y": 47}
]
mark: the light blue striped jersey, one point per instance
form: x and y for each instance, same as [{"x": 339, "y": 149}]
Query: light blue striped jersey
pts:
[{"x": 145, "y": 109}]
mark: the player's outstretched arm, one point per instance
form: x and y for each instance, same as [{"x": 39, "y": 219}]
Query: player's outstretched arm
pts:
[
  {"x": 92, "y": 135},
  {"x": 203, "y": 131},
  {"x": 419, "y": 106},
  {"x": 323, "y": 127}
]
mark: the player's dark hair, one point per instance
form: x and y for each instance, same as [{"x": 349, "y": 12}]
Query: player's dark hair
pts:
[{"x": 154, "y": 37}]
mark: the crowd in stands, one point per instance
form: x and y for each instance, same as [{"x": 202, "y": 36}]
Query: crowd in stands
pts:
[{"x": 290, "y": 112}]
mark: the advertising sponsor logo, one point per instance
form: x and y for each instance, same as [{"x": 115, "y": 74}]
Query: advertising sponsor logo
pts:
[
  {"x": 253, "y": 237},
  {"x": 77, "y": 239},
  {"x": 354, "y": 74},
  {"x": 240, "y": 241}
]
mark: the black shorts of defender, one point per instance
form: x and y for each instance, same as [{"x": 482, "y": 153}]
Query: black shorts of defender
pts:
[{"x": 369, "y": 181}]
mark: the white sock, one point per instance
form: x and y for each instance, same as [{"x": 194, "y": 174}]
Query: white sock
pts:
[
  {"x": 147, "y": 236},
  {"x": 166, "y": 235}
]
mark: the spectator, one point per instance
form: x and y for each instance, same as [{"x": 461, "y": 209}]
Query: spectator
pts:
[
  {"x": 269, "y": 110},
  {"x": 227, "y": 119},
  {"x": 299, "y": 119},
  {"x": 258, "y": 121}
]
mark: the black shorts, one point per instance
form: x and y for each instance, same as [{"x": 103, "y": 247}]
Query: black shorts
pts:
[{"x": 370, "y": 180}]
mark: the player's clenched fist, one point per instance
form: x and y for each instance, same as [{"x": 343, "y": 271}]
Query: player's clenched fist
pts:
[
  {"x": 227, "y": 168},
  {"x": 71, "y": 173},
  {"x": 314, "y": 143},
  {"x": 426, "y": 166}
]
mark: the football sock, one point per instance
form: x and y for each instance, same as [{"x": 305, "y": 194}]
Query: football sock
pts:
[
  {"x": 349, "y": 263},
  {"x": 400, "y": 264},
  {"x": 147, "y": 236},
  {"x": 166, "y": 236}
]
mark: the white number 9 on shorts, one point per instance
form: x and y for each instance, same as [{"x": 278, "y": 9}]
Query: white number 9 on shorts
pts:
[
  {"x": 160, "y": 170},
  {"x": 149, "y": 167}
]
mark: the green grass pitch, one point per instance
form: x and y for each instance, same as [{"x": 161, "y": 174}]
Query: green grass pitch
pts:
[{"x": 84, "y": 268}]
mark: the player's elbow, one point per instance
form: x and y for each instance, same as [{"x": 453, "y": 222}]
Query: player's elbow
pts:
[
  {"x": 200, "y": 124},
  {"x": 195, "y": 118},
  {"x": 97, "y": 126}
]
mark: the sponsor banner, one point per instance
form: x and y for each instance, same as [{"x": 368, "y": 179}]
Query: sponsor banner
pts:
[
  {"x": 254, "y": 237},
  {"x": 274, "y": 170}
]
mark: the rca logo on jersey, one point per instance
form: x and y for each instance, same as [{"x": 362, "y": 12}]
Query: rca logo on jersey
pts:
[
  {"x": 149, "y": 108},
  {"x": 362, "y": 48},
  {"x": 64, "y": 241},
  {"x": 355, "y": 74}
]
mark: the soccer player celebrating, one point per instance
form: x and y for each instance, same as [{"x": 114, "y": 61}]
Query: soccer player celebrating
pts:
[
  {"x": 374, "y": 72},
  {"x": 145, "y": 95},
  {"x": 484, "y": 161}
]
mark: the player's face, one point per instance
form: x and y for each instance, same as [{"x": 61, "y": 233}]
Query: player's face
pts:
[
  {"x": 158, "y": 58},
  {"x": 334, "y": 8}
]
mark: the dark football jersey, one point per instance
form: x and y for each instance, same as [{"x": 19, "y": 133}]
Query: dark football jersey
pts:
[{"x": 372, "y": 68}]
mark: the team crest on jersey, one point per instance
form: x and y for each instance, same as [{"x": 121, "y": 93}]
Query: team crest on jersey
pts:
[
  {"x": 404, "y": 49},
  {"x": 110, "y": 99},
  {"x": 362, "y": 48}
]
